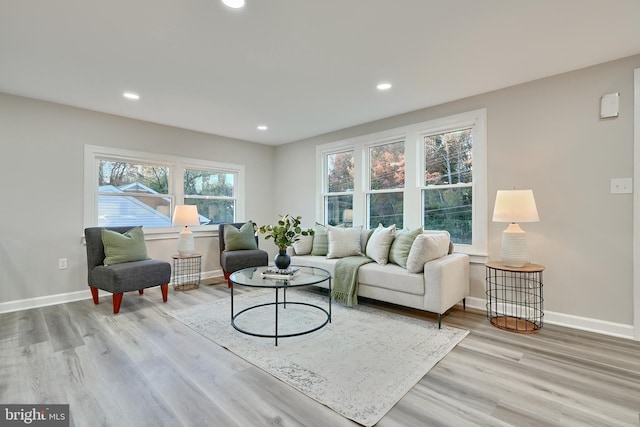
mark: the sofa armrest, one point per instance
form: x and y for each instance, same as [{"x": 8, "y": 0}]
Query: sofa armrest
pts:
[{"x": 446, "y": 282}]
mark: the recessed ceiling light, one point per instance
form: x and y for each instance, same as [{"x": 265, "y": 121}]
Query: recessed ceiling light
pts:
[
  {"x": 384, "y": 86},
  {"x": 131, "y": 95},
  {"x": 263, "y": 127},
  {"x": 236, "y": 4}
]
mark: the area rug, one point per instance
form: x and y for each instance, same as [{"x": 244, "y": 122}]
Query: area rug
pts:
[{"x": 360, "y": 365}]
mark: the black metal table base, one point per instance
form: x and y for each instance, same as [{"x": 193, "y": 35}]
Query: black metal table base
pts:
[{"x": 277, "y": 304}]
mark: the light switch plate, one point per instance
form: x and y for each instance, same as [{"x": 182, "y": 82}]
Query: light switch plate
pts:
[{"x": 621, "y": 185}]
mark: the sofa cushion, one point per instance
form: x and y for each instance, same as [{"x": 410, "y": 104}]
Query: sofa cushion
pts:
[
  {"x": 399, "y": 251},
  {"x": 343, "y": 242},
  {"x": 426, "y": 247},
  {"x": 320, "y": 240},
  {"x": 239, "y": 239},
  {"x": 316, "y": 261},
  {"x": 379, "y": 243},
  {"x": 392, "y": 277},
  {"x": 124, "y": 247},
  {"x": 304, "y": 245}
]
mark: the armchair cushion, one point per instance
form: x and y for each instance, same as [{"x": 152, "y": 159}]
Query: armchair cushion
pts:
[
  {"x": 124, "y": 247},
  {"x": 130, "y": 276},
  {"x": 240, "y": 239}
]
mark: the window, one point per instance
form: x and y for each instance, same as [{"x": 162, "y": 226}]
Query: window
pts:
[
  {"x": 124, "y": 187},
  {"x": 445, "y": 187},
  {"x": 385, "y": 197},
  {"x": 213, "y": 192},
  {"x": 447, "y": 192},
  {"x": 338, "y": 197},
  {"x": 133, "y": 193}
]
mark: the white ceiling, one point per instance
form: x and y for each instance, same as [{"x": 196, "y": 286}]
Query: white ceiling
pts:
[{"x": 302, "y": 67}]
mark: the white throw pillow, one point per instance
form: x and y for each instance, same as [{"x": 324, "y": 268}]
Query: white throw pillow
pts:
[
  {"x": 379, "y": 243},
  {"x": 427, "y": 247},
  {"x": 343, "y": 241},
  {"x": 304, "y": 245}
]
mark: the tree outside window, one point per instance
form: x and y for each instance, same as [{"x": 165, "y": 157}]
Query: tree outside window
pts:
[
  {"x": 338, "y": 200},
  {"x": 213, "y": 193},
  {"x": 448, "y": 184},
  {"x": 386, "y": 185}
]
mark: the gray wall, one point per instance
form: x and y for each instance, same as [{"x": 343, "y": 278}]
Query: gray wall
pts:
[
  {"x": 42, "y": 181},
  {"x": 545, "y": 135}
]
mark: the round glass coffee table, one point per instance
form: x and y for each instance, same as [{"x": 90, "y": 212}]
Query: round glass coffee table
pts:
[{"x": 252, "y": 277}]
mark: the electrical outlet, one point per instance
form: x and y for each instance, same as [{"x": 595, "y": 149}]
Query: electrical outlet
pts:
[
  {"x": 621, "y": 185},
  {"x": 62, "y": 264}
]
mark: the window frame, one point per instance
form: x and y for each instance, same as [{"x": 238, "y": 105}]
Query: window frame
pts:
[
  {"x": 413, "y": 137},
  {"x": 368, "y": 191},
  {"x": 325, "y": 180},
  {"x": 177, "y": 166}
]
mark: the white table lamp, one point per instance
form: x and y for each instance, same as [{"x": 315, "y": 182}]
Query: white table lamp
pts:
[
  {"x": 515, "y": 206},
  {"x": 186, "y": 215}
]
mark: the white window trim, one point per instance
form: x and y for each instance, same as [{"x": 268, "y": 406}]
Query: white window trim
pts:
[
  {"x": 412, "y": 135},
  {"x": 176, "y": 163}
]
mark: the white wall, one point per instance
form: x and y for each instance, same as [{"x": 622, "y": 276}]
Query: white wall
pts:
[
  {"x": 41, "y": 146},
  {"x": 545, "y": 135}
]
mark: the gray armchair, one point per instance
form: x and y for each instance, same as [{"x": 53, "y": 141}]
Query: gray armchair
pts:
[
  {"x": 231, "y": 261},
  {"x": 124, "y": 277}
]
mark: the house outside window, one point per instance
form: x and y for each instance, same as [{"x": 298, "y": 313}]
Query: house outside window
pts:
[
  {"x": 124, "y": 188},
  {"x": 213, "y": 192},
  {"x": 441, "y": 186},
  {"x": 133, "y": 192}
]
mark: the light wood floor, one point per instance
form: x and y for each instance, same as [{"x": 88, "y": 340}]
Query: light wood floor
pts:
[{"x": 144, "y": 368}]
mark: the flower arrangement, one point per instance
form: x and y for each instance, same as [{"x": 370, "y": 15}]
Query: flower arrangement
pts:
[{"x": 285, "y": 233}]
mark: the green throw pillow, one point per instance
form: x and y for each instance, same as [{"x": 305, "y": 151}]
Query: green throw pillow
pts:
[
  {"x": 401, "y": 246},
  {"x": 320, "y": 240},
  {"x": 124, "y": 247},
  {"x": 239, "y": 239}
]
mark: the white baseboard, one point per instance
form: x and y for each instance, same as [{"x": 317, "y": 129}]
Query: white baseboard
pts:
[
  {"x": 570, "y": 321},
  {"x": 26, "y": 304},
  {"x": 576, "y": 322}
]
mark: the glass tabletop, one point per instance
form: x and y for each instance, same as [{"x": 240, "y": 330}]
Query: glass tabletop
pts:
[{"x": 253, "y": 277}]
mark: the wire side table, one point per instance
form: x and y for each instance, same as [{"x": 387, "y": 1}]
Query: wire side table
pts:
[
  {"x": 185, "y": 274},
  {"x": 514, "y": 297}
]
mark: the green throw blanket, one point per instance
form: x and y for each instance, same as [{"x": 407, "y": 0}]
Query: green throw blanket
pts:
[{"x": 345, "y": 280}]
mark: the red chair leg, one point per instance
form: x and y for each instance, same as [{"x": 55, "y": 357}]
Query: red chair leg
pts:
[
  {"x": 94, "y": 294},
  {"x": 141, "y": 291},
  {"x": 117, "y": 300},
  {"x": 227, "y": 277},
  {"x": 165, "y": 291}
]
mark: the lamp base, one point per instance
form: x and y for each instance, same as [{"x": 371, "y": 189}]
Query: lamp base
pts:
[
  {"x": 515, "y": 252},
  {"x": 186, "y": 243}
]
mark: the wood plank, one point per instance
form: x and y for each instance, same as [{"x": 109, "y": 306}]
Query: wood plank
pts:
[{"x": 142, "y": 367}]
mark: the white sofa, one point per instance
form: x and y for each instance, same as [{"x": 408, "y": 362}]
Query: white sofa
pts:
[{"x": 443, "y": 283}]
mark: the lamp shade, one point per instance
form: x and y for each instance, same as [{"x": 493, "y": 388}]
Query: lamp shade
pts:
[
  {"x": 515, "y": 206},
  {"x": 186, "y": 215}
]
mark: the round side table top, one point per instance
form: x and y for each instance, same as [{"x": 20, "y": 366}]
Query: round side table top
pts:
[{"x": 527, "y": 268}]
